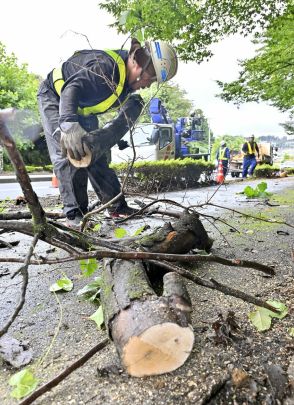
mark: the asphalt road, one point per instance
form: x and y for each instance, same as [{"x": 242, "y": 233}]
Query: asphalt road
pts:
[{"x": 41, "y": 188}]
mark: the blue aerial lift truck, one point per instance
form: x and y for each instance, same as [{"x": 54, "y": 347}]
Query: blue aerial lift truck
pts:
[{"x": 163, "y": 139}]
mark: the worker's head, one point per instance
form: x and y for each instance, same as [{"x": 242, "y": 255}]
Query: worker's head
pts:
[
  {"x": 251, "y": 138},
  {"x": 154, "y": 62},
  {"x": 222, "y": 143}
]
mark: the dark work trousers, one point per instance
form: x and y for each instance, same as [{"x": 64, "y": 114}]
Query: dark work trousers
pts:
[
  {"x": 73, "y": 181},
  {"x": 249, "y": 164}
]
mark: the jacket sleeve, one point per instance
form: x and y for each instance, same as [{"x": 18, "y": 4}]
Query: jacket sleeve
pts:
[
  {"x": 257, "y": 148},
  {"x": 227, "y": 153},
  {"x": 245, "y": 148}
]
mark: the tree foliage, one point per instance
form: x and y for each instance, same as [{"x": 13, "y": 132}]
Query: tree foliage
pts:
[
  {"x": 234, "y": 143},
  {"x": 18, "y": 87},
  {"x": 173, "y": 98},
  {"x": 193, "y": 25},
  {"x": 269, "y": 76}
]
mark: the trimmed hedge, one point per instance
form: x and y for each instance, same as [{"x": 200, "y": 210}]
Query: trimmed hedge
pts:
[
  {"x": 165, "y": 175},
  {"x": 266, "y": 170}
]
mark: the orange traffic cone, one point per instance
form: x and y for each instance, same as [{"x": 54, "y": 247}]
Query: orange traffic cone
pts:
[
  {"x": 220, "y": 173},
  {"x": 54, "y": 181}
]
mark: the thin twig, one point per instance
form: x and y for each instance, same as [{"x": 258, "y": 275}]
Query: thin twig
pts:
[
  {"x": 56, "y": 380},
  {"x": 25, "y": 276},
  {"x": 271, "y": 221}
]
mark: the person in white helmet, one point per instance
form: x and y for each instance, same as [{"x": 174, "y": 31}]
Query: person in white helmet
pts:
[
  {"x": 223, "y": 155},
  {"x": 88, "y": 84}
]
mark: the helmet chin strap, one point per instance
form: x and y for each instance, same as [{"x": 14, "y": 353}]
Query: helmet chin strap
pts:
[{"x": 149, "y": 60}]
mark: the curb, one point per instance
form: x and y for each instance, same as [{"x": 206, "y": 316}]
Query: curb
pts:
[{"x": 33, "y": 177}]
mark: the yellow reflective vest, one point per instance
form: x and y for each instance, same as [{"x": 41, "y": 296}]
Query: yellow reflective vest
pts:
[{"x": 104, "y": 105}]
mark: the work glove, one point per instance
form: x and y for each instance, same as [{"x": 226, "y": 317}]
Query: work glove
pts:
[
  {"x": 72, "y": 140},
  {"x": 122, "y": 144}
]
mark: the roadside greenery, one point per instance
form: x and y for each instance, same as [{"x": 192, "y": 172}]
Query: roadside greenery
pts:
[
  {"x": 18, "y": 88},
  {"x": 269, "y": 75},
  {"x": 165, "y": 175},
  {"x": 258, "y": 192},
  {"x": 193, "y": 26},
  {"x": 173, "y": 98},
  {"x": 266, "y": 170}
]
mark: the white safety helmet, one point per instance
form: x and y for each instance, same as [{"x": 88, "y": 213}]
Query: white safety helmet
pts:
[
  {"x": 222, "y": 143},
  {"x": 164, "y": 60}
]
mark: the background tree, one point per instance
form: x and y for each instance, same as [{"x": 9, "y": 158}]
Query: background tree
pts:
[
  {"x": 269, "y": 76},
  {"x": 173, "y": 98},
  {"x": 234, "y": 143},
  {"x": 193, "y": 25},
  {"x": 18, "y": 89}
]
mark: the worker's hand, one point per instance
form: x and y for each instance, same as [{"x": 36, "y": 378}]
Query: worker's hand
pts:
[
  {"x": 122, "y": 144},
  {"x": 72, "y": 140}
]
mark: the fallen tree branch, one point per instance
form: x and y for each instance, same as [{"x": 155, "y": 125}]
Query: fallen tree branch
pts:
[
  {"x": 56, "y": 380},
  {"x": 271, "y": 221},
  {"x": 25, "y": 275},
  {"x": 214, "y": 285},
  {"x": 6, "y": 216},
  {"x": 134, "y": 255}
]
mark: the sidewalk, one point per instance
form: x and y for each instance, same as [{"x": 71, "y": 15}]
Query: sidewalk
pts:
[{"x": 6, "y": 178}]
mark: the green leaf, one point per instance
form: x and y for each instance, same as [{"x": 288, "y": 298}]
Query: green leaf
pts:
[
  {"x": 260, "y": 319},
  {"x": 291, "y": 332},
  {"x": 123, "y": 17},
  {"x": 139, "y": 230},
  {"x": 97, "y": 227},
  {"x": 280, "y": 306},
  {"x": 91, "y": 291},
  {"x": 24, "y": 382},
  {"x": 88, "y": 266},
  {"x": 261, "y": 187},
  {"x": 64, "y": 284},
  {"x": 120, "y": 232},
  {"x": 249, "y": 192},
  {"x": 98, "y": 317}
]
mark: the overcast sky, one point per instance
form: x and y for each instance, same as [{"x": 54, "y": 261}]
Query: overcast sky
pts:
[{"x": 41, "y": 34}]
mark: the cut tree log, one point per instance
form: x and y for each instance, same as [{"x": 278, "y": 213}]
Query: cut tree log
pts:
[{"x": 152, "y": 333}]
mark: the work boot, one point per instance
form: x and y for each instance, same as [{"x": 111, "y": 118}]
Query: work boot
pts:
[
  {"x": 122, "y": 211},
  {"x": 74, "y": 219}
]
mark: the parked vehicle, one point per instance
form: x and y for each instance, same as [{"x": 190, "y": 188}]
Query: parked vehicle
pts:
[{"x": 162, "y": 139}]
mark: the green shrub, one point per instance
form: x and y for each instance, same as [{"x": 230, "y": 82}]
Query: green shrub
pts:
[
  {"x": 165, "y": 175},
  {"x": 266, "y": 170},
  {"x": 31, "y": 169},
  {"x": 289, "y": 170},
  {"x": 48, "y": 168}
]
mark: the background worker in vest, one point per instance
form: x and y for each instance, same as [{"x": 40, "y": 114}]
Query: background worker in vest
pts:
[
  {"x": 250, "y": 149},
  {"x": 90, "y": 83},
  {"x": 223, "y": 155}
]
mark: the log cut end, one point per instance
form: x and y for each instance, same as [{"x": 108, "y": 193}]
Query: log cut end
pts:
[{"x": 159, "y": 349}]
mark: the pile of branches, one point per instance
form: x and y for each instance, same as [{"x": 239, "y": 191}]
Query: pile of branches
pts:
[{"x": 81, "y": 245}]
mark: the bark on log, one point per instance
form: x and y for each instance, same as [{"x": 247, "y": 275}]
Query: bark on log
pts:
[
  {"x": 185, "y": 234},
  {"x": 152, "y": 333}
]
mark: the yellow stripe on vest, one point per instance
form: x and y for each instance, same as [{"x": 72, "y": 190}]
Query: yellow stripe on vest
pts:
[{"x": 106, "y": 104}]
